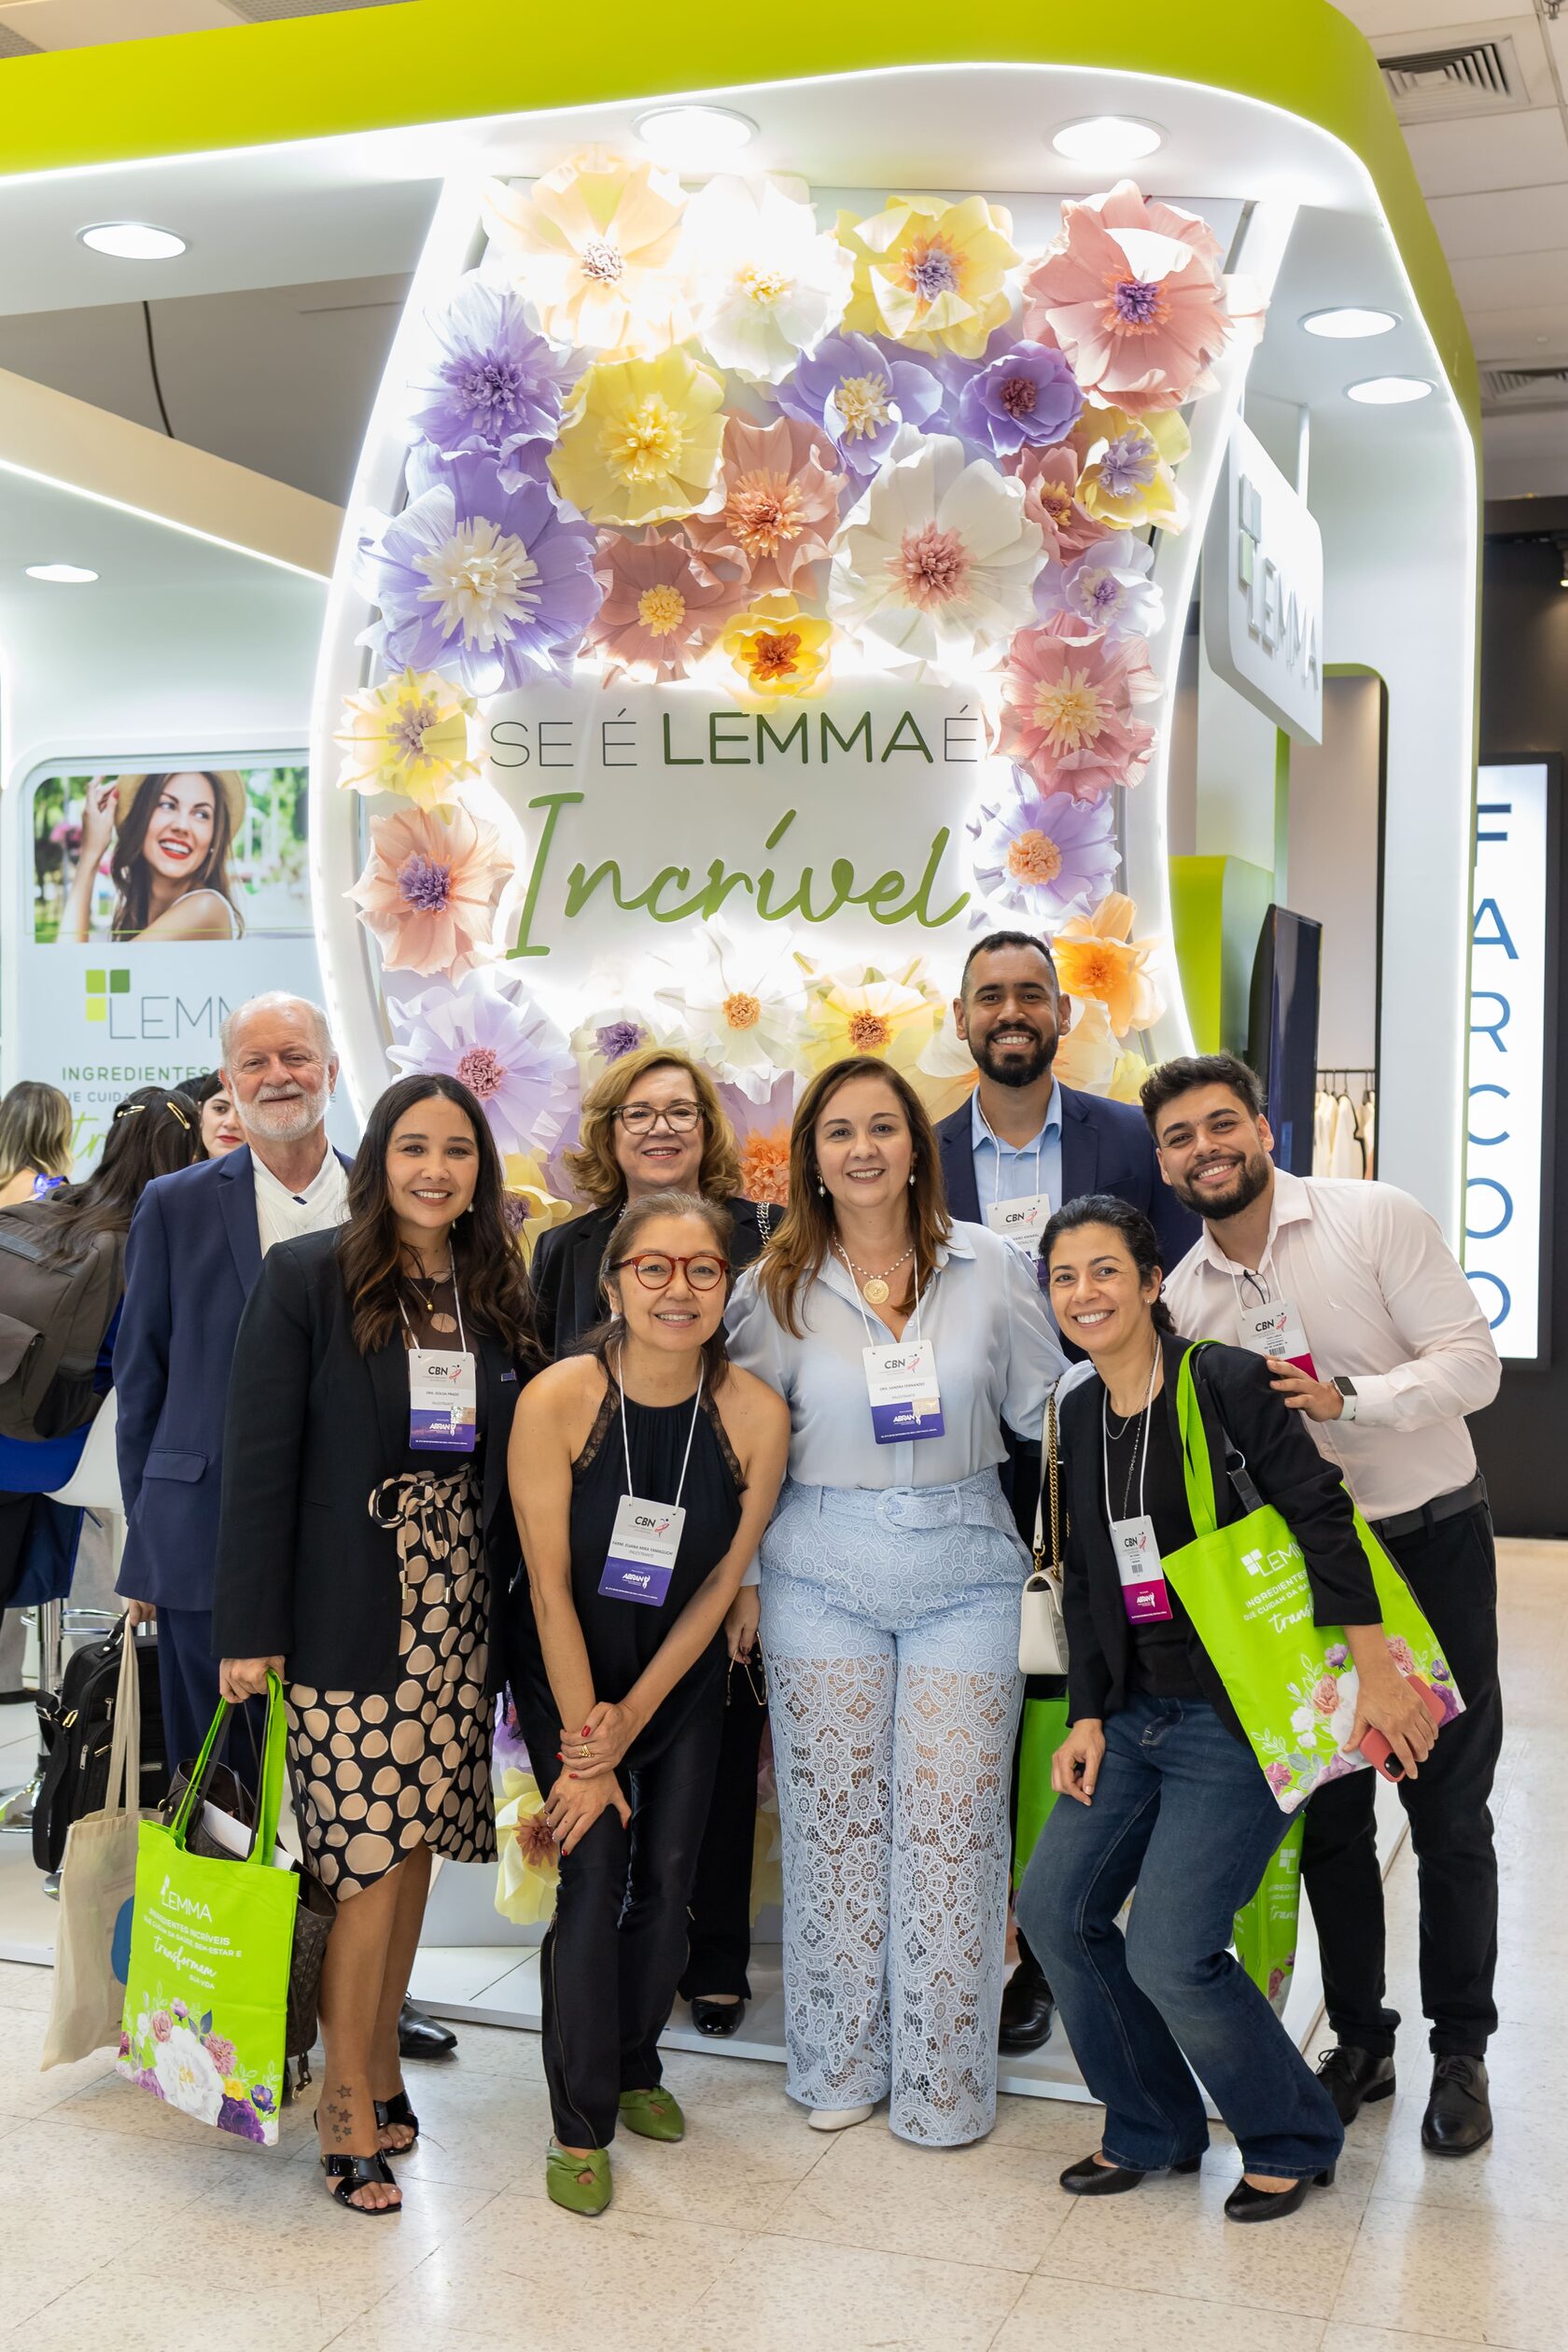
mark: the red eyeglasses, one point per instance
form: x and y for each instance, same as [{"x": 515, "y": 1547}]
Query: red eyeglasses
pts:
[{"x": 655, "y": 1269}]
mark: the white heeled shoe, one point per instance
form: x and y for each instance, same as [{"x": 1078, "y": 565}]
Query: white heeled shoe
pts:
[{"x": 839, "y": 2119}]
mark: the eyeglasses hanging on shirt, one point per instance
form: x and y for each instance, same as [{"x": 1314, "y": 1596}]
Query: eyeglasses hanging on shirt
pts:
[{"x": 1270, "y": 1325}]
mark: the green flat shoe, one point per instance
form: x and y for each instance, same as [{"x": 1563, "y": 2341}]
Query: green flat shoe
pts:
[
  {"x": 653, "y": 2115},
  {"x": 564, "y": 2186}
]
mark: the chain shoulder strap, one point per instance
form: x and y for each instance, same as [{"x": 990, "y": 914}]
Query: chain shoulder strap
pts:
[{"x": 1052, "y": 1488}]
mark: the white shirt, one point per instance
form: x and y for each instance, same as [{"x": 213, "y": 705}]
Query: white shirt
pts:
[
  {"x": 282, "y": 1215},
  {"x": 996, "y": 1359},
  {"x": 1382, "y": 1300}
]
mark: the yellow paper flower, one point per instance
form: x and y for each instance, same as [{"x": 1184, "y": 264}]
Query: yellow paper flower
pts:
[
  {"x": 930, "y": 274},
  {"x": 1130, "y": 468},
  {"x": 1097, "y": 957},
  {"x": 527, "y": 1181},
  {"x": 410, "y": 735},
  {"x": 642, "y": 440},
  {"x": 592, "y": 246},
  {"x": 775, "y": 648},
  {"x": 888, "y": 1017},
  {"x": 1127, "y": 1079},
  {"x": 530, "y": 1865}
]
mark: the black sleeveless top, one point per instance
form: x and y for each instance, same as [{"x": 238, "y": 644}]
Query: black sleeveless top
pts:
[{"x": 620, "y": 1636}]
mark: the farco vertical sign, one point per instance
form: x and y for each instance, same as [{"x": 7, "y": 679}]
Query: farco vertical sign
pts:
[
  {"x": 1262, "y": 575},
  {"x": 1509, "y": 1109}
]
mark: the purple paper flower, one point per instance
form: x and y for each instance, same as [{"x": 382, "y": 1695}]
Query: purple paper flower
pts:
[
  {"x": 1026, "y": 396},
  {"x": 1108, "y": 585},
  {"x": 239, "y": 2117},
  {"x": 487, "y": 584},
  {"x": 1045, "y": 855},
  {"x": 1128, "y": 463},
  {"x": 859, "y": 396},
  {"x": 497, "y": 387},
  {"x": 487, "y": 1032},
  {"x": 617, "y": 1039}
]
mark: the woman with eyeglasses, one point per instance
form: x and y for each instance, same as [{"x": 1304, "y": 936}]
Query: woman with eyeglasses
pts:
[
  {"x": 652, "y": 1124},
  {"x": 643, "y": 1472}
]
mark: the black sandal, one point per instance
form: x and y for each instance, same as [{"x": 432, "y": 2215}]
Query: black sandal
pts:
[
  {"x": 351, "y": 2173},
  {"x": 396, "y": 2114}
]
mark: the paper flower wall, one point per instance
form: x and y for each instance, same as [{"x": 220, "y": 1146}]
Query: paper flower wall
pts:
[
  {"x": 487, "y": 1032},
  {"x": 660, "y": 613},
  {"x": 494, "y": 385},
  {"x": 770, "y": 283},
  {"x": 781, "y": 490},
  {"x": 1069, "y": 700},
  {"x": 1042, "y": 855},
  {"x": 1133, "y": 295},
  {"x": 429, "y": 891},
  {"x": 593, "y": 244},
  {"x": 930, "y": 272},
  {"x": 739, "y": 1006},
  {"x": 412, "y": 734},
  {"x": 641, "y": 440}
]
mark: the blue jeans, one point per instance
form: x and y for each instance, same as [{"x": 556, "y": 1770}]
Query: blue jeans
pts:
[{"x": 1181, "y": 1812}]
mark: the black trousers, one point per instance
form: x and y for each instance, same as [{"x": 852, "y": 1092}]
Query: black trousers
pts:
[
  {"x": 720, "y": 1924},
  {"x": 609, "y": 1965},
  {"x": 1452, "y": 1571}
]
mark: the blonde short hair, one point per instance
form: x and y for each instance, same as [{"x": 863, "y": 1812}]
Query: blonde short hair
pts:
[{"x": 593, "y": 1166}]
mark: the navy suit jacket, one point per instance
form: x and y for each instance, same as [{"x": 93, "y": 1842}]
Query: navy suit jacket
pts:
[{"x": 191, "y": 1262}]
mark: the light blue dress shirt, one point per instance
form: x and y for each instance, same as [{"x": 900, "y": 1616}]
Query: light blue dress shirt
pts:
[
  {"x": 1005, "y": 1171},
  {"x": 996, "y": 1359}
]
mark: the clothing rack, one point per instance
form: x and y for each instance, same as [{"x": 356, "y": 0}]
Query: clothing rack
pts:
[{"x": 1337, "y": 1080}]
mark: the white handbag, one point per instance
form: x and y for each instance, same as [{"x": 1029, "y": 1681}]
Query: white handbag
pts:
[{"x": 1041, "y": 1627}]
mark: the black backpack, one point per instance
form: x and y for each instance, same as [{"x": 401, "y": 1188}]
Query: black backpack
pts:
[
  {"x": 52, "y": 1322},
  {"x": 77, "y": 1728}
]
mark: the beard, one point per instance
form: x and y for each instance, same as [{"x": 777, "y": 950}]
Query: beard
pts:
[
  {"x": 1016, "y": 1068},
  {"x": 1250, "y": 1181},
  {"x": 287, "y": 1120}
]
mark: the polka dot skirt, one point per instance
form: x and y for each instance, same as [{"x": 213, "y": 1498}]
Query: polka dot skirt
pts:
[{"x": 375, "y": 1776}]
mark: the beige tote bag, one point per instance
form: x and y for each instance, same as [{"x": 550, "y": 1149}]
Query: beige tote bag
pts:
[{"x": 97, "y": 1880}]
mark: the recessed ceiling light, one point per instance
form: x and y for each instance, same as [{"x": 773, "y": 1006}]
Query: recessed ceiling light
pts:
[
  {"x": 694, "y": 137},
  {"x": 131, "y": 241},
  {"x": 1350, "y": 324},
  {"x": 64, "y": 575},
  {"x": 1388, "y": 391},
  {"x": 1107, "y": 141}
]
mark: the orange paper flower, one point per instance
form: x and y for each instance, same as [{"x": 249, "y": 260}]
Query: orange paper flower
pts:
[{"x": 1097, "y": 957}]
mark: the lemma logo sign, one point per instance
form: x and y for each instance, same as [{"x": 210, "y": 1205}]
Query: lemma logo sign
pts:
[{"x": 100, "y": 985}]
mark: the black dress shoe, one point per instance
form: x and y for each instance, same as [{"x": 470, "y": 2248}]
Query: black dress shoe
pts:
[
  {"x": 1458, "y": 2118},
  {"x": 1028, "y": 2008},
  {"x": 1247, "y": 2203},
  {"x": 421, "y": 2037},
  {"x": 718, "y": 2019},
  {"x": 1354, "y": 2078},
  {"x": 1089, "y": 2177}
]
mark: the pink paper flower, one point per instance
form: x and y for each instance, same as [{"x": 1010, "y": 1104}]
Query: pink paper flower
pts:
[
  {"x": 781, "y": 484},
  {"x": 1069, "y": 700},
  {"x": 430, "y": 891},
  {"x": 1050, "y": 478},
  {"x": 660, "y": 612},
  {"x": 1133, "y": 294}
]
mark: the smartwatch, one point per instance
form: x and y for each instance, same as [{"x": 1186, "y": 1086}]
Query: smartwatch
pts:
[{"x": 1347, "y": 1390}]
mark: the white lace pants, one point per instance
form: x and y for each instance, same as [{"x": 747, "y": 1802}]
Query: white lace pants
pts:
[{"x": 893, "y": 1723}]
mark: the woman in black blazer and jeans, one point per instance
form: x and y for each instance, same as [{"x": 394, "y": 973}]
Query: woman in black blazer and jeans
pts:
[
  {"x": 365, "y": 1543},
  {"x": 1165, "y": 1795}
]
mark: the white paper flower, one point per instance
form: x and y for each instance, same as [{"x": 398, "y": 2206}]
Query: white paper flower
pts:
[
  {"x": 770, "y": 284},
  {"x": 741, "y": 1006},
  {"x": 937, "y": 562},
  {"x": 188, "y": 2078}
]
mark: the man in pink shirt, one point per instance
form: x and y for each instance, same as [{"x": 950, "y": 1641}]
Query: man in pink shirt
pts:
[{"x": 1380, "y": 1343}]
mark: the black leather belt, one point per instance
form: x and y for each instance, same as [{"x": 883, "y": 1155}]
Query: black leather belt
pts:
[{"x": 1442, "y": 1506}]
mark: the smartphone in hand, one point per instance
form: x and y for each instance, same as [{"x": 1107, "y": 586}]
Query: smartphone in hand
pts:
[{"x": 1376, "y": 1749}]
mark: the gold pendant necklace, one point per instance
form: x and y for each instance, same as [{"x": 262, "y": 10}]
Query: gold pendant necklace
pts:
[{"x": 874, "y": 1286}]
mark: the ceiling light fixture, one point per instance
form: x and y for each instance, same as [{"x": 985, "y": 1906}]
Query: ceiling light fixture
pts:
[
  {"x": 1350, "y": 324},
  {"x": 1391, "y": 391},
  {"x": 131, "y": 241},
  {"x": 62, "y": 575},
  {"x": 692, "y": 138},
  {"x": 1106, "y": 142}
]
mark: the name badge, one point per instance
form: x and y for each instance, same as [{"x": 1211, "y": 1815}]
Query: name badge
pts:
[
  {"x": 905, "y": 1399},
  {"x": 1022, "y": 1223},
  {"x": 443, "y": 1401},
  {"x": 643, "y": 1544},
  {"x": 1145, "y": 1595},
  {"x": 1277, "y": 1331}
]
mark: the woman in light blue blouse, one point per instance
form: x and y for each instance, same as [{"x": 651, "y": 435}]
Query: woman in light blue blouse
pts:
[{"x": 890, "y": 1576}]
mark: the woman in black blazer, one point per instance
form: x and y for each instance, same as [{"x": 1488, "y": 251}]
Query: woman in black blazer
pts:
[
  {"x": 652, "y": 1123},
  {"x": 1165, "y": 1795},
  {"x": 365, "y": 1544}
]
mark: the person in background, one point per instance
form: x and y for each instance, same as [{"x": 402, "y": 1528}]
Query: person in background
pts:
[
  {"x": 172, "y": 835},
  {"x": 1163, "y": 1797},
  {"x": 1019, "y": 1149},
  {"x": 36, "y": 1128},
  {"x": 221, "y": 1130},
  {"x": 620, "y": 1688},
  {"x": 652, "y": 1123},
  {"x": 891, "y": 1576},
  {"x": 1376, "y": 1341},
  {"x": 364, "y": 1545}
]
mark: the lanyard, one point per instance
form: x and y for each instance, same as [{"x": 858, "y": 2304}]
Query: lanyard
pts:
[
  {"x": 1143, "y": 1442},
  {"x": 887, "y": 1340},
  {"x": 996, "y": 1146},
  {"x": 456, "y": 1301},
  {"x": 697, "y": 1408}
]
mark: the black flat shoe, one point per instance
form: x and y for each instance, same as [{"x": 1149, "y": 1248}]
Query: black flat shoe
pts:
[
  {"x": 1458, "y": 2118},
  {"x": 396, "y": 2114},
  {"x": 1247, "y": 2203},
  {"x": 1354, "y": 2079},
  {"x": 1089, "y": 2178},
  {"x": 421, "y": 2037},
  {"x": 718, "y": 2019},
  {"x": 1028, "y": 2008}
]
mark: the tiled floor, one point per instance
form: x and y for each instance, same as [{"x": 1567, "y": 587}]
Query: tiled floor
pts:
[{"x": 128, "y": 2227}]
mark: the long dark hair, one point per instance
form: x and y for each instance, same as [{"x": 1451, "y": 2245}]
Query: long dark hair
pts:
[
  {"x": 800, "y": 1242},
  {"x": 1142, "y": 1241},
  {"x": 153, "y": 1132},
  {"x": 609, "y": 1336},
  {"x": 491, "y": 1281},
  {"x": 128, "y": 868}
]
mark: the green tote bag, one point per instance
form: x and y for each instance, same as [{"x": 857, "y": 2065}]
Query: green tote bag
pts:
[
  {"x": 207, "y": 1984},
  {"x": 1292, "y": 1684}
]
